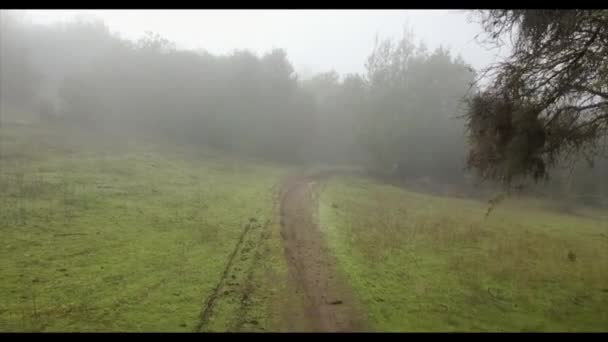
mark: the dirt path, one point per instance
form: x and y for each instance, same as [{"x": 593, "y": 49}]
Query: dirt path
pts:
[{"x": 329, "y": 304}]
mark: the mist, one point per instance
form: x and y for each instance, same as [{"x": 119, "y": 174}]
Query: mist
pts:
[
  {"x": 315, "y": 40},
  {"x": 245, "y": 170},
  {"x": 377, "y": 89}
]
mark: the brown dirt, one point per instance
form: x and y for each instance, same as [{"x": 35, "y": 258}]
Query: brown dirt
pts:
[{"x": 329, "y": 305}]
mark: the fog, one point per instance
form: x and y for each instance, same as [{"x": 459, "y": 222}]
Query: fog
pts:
[
  {"x": 298, "y": 170},
  {"x": 382, "y": 90},
  {"x": 315, "y": 40}
]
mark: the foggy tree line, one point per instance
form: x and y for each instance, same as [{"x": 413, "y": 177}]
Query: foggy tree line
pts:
[{"x": 401, "y": 117}]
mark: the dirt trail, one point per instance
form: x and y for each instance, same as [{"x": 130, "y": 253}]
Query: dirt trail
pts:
[{"x": 329, "y": 304}]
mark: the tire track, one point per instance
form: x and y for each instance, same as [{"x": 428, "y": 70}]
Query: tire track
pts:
[
  {"x": 207, "y": 309},
  {"x": 248, "y": 246}
]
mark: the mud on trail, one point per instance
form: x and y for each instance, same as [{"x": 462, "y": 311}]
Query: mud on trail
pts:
[{"x": 329, "y": 304}]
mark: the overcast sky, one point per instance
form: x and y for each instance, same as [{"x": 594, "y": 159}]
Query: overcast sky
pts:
[{"x": 315, "y": 40}]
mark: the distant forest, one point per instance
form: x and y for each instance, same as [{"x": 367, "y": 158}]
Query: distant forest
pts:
[{"x": 401, "y": 119}]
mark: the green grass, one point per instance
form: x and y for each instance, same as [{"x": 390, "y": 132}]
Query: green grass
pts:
[
  {"x": 124, "y": 236},
  {"x": 425, "y": 263},
  {"x": 120, "y": 235}
]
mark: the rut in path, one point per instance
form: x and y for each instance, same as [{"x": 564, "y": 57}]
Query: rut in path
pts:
[{"x": 329, "y": 303}]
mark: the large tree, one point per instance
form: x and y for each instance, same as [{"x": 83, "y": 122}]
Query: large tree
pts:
[{"x": 548, "y": 100}]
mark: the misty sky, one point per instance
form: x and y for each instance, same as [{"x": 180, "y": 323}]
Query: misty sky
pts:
[{"x": 315, "y": 40}]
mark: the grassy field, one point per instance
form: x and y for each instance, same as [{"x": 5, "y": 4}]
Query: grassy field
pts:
[
  {"x": 425, "y": 263},
  {"x": 119, "y": 235},
  {"x": 123, "y": 236}
]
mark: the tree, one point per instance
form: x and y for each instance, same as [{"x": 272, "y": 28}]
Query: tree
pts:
[
  {"x": 19, "y": 79},
  {"x": 339, "y": 105},
  {"x": 414, "y": 100},
  {"x": 547, "y": 101}
]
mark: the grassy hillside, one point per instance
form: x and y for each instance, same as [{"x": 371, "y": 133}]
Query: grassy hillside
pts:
[
  {"x": 106, "y": 234},
  {"x": 427, "y": 263},
  {"x": 102, "y": 235}
]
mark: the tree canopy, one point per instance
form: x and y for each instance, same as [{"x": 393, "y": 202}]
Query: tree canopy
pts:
[{"x": 548, "y": 101}]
